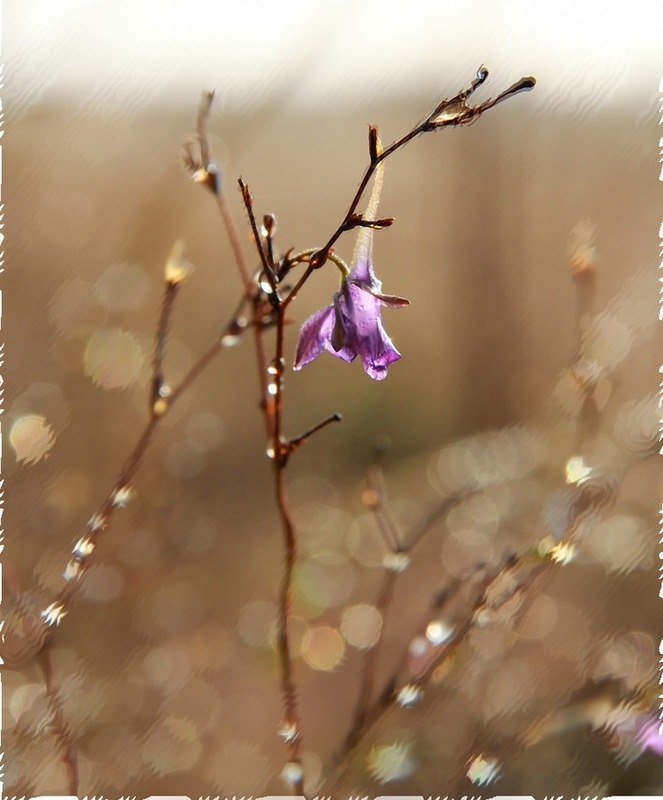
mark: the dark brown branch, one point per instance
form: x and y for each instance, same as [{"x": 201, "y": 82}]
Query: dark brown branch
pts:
[
  {"x": 362, "y": 715},
  {"x": 267, "y": 267},
  {"x": 170, "y": 290},
  {"x": 462, "y": 114},
  {"x": 85, "y": 547},
  {"x": 280, "y": 450},
  {"x": 489, "y": 601},
  {"x": 290, "y": 555},
  {"x": 60, "y": 728},
  {"x": 205, "y": 171},
  {"x": 298, "y": 441}
]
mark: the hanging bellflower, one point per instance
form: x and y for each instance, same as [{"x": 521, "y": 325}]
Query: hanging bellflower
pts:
[{"x": 352, "y": 326}]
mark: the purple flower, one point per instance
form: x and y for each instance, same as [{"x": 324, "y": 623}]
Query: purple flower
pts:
[
  {"x": 648, "y": 733},
  {"x": 352, "y": 325}
]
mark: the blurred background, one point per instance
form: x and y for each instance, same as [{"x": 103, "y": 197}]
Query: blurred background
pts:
[{"x": 168, "y": 676}]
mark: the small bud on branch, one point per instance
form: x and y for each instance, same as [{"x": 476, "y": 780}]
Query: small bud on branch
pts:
[{"x": 374, "y": 148}]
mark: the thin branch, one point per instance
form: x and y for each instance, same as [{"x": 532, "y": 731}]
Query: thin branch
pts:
[
  {"x": 267, "y": 267},
  {"x": 84, "y": 549},
  {"x": 290, "y": 558},
  {"x": 298, "y": 441},
  {"x": 374, "y": 499},
  {"x": 437, "y": 513},
  {"x": 280, "y": 451},
  {"x": 490, "y": 600},
  {"x": 447, "y": 113},
  {"x": 401, "y": 552},
  {"x": 205, "y": 171},
  {"x": 369, "y": 669},
  {"x": 170, "y": 290},
  {"x": 60, "y": 728}
]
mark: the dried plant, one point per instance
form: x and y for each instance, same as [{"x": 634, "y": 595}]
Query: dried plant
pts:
[{"x": 496, "y": 595}]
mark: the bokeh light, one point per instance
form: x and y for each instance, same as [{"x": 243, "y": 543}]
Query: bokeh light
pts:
[
  {"x": 361, "y": 625},
  {"x": 391, "y": 762},
  {"x": 113, "y": 358},
  {"x": 31, "y": 437},
  {"x": 122, "y": 287},
  {"x": 323, "y": 648},
  {"x": 620, "y": 543}
]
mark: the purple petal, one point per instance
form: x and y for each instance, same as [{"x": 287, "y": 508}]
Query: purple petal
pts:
[
  {"x": 342, "y": 342},
  {"x": 314, "y": 334},
  {"x": 362, "y": 311},
  {"x": 366, "y": 334},
  {"x": 377, "y": 353},
  {"x": 362, "y": 271},
  {"x": 647, "y": 728},
  {"x": 346, "y": 353}
]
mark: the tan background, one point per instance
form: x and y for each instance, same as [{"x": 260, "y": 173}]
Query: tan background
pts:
[{"x": 168, "y": 683}]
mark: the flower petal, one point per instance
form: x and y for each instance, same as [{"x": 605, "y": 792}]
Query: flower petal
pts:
[
  {"x": 314, "y": 334},
  {"x": 377, "y": 352},
  {"x": 362, "y": 260},
  {"x": 389, "y": 300}
]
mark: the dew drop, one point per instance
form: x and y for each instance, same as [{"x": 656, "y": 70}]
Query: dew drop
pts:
[
  {"x": 265, "y": 285},
  {"x": 276, "y": 367},
  {"x": 83, "y": 547},
  {"x": 482, "y": 769},
  {"x": 96, "y": 523},
  {"x": 409, "y": 695},
  {"x": 229, "y": 340},
  {"x": 288, "y": 731},
  {"x": 438, "y": 632},
  {"x": 121, "y": 496},
  {"x": 53, "y": 614},
  {"x": 396, "y": 562},
  {"x": 482, "y": 617},
  {"x": 73, "y": 570},
  {"x": 577, "y": 471},
  {"x": 292, "y": 772},
  {"x": 562, "y": 553},
  {"x": 233, "y": 332}
]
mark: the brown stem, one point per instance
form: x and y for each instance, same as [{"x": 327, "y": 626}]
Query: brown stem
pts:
[
  {"x": 205, "y": 163},
  {"x": 85, "y": 547},
  {"x": 280, "y": 454},
  {"x": 170, "y": 291},
  {"x": 375, "y": 501},
  {"x": 235, "y": 243},
  {"x": 60, "y": 727},
  {"x": 462, "y": 114},
  {"x": 298, "y": 441},
  {"x": 590, "y": 500},
  {"x": 267, "y": 267},
  {"x": 364, "y": 711},
  {"x": 369, "y": 671},
  {"x": 273, "y": 412}
]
